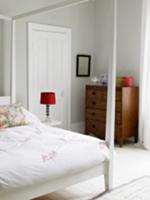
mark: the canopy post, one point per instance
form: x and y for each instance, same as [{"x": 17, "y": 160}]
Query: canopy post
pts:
[
  {"x": 13, "y": 61},
  {"x": 111, "y": 96}
]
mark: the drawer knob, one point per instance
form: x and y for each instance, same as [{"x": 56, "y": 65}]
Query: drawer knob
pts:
[
  {"x": 93, "y": 114},
  {"x": 94, "y": 103},
  {"x": 93, "y": 126},
  {"x": 94, "y": 93}
]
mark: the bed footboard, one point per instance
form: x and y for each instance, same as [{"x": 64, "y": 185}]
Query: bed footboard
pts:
[{"x": 44, "y": 188}]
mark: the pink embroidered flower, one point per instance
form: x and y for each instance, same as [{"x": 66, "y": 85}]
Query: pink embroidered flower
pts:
[
  {"x": 103, "y": 146},
  {"x": 50, "y": 156}
]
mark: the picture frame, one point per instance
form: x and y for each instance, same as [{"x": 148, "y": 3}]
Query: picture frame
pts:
[{"x": 83, "y": 65}]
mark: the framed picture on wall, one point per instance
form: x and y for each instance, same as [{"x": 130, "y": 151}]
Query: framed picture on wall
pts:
[{"x": 83, "y": 67}]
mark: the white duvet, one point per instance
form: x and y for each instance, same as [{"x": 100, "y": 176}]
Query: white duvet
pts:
[{"x": 35, "y": 153}]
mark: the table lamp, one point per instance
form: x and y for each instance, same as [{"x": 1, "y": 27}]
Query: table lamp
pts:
[{"x": 48, "y": 98}]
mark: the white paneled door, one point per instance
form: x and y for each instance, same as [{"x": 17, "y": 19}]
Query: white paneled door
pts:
[{"x": 49, "y": 69}]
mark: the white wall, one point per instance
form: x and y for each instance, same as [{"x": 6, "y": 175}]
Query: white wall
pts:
[
  {"x": 1, "y": 57},
  {"x": 91, "y": 25},
  {"x": 103, "y": 31},
  {"x": 6, "y": 57},
  {"x": 81, "y": 19},
  {"x": 5, "y": 48},
  {"x": 129, "y": 35}
]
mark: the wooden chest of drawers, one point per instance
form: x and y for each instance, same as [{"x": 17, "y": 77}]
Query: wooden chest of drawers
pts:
[{"x": 126, "y": 121}]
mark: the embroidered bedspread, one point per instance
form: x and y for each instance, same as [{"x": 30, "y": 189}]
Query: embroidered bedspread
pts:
[{"x": 35, "y": 153}]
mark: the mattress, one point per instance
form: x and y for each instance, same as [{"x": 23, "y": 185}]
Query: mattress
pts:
[{"x": 35, "y": 153}]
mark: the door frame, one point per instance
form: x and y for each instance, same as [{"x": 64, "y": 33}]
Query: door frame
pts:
[{"x": 44, "y": 27}]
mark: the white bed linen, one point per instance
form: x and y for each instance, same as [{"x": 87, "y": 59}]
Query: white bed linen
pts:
[{"x": 36, "y": 153}]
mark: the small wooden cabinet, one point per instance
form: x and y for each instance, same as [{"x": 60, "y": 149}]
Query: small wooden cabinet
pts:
[{"x": 126, "y": 121}]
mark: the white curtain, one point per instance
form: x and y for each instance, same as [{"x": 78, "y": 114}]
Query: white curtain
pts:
[{"x": 144, "y": 125}]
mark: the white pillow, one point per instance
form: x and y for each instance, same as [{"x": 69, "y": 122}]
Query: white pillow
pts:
[{"x": 30, "y": 117}]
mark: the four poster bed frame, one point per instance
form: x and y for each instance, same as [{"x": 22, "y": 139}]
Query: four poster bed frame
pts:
[{"x": 106, "y": 168}]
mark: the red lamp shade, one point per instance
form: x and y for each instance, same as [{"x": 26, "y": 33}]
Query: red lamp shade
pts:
[{"x": 48, "y": 98}]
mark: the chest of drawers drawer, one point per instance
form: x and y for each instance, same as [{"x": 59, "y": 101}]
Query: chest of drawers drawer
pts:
[
  {"x": 118, "y": 118},
  {"x": 118, "y": 106},
  {"x": 96, "y": 93},
  {"x": 96, "y": 114},
  {"x": 95, "y": 127},
  {"x": 118, "y": 95},
  {"x": 96, "y": 103}
]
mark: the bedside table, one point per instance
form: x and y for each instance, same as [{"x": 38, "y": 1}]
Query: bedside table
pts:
[{"x": 52, "y": 123}]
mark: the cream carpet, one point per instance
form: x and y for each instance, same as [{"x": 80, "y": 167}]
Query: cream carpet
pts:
[
  {"x": 136, "y": 190},
  {"x": 131, "y": 163}
]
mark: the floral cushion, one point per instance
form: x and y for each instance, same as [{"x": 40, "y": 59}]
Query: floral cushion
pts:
[
  {"x": 12, "y": 116},
  {"x": 3, "y": 121}
]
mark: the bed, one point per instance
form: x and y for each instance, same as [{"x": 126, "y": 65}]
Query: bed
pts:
[
  {"x": 25, "y": 186},
  {"x": 37, "y": 159}
]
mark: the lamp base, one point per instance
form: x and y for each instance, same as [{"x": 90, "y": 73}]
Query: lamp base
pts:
[{"x": 48, "y": 119}]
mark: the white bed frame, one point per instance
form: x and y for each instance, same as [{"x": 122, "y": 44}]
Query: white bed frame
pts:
[
  {"x": 41, "y": 189},
  {"x": 106, "y": 168}
]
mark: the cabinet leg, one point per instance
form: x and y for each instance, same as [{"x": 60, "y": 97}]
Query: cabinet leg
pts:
[
  {"x": 136, "y": 139},
  {"x": 121, "y": 142}
]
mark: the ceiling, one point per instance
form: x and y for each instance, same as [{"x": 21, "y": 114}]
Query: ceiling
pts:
[{"x": 16, "y": 7}]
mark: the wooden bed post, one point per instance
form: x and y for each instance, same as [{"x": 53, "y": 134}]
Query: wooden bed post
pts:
[
  {"x": 110, "y": 124},
  {"x": 13, "y": 61}
]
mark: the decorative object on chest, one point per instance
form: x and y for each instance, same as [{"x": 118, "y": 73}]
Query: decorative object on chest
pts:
[{"x": 126, "y": 121}]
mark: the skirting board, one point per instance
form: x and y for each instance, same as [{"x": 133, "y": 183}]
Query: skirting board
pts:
[{"x": 78, "y": 127}]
